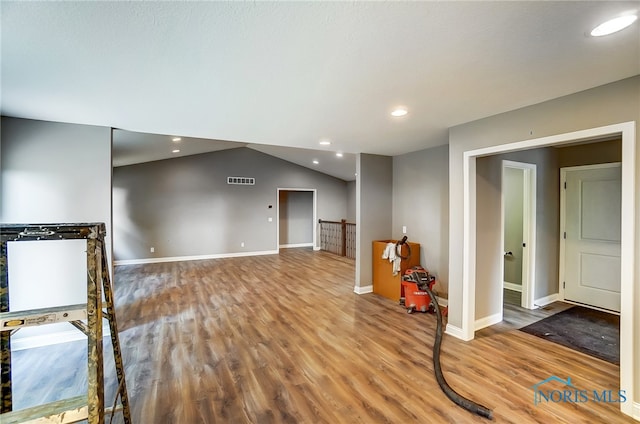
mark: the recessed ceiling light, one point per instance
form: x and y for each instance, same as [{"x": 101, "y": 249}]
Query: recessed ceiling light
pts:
[
  {"x": 175, "y": 151},
  {"x": 315, "y": 162},
  {"x": 613, "y": 25},
  {"x": 339, "y": 154},
  {"x": 325, "y": 142},
  {"x": 176, "y": 139},
  {"x": 399, "y": 111}
]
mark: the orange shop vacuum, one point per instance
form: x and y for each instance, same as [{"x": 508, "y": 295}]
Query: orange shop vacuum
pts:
[{"x": 413, "y": 297}]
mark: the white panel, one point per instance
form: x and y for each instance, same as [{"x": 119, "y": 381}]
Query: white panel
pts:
[
  {"x": 601, "y": 202},
  {"x": 35, "y": 268},
  {"x": 600, "y": 272}
]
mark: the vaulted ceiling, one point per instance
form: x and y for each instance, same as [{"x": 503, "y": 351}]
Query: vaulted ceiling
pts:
[{"x": 290, "y": 74}]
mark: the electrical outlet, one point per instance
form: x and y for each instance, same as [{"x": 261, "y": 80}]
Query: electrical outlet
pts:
[
  {"x": 152, "y": 250},
  {"x": 270, "y": 219},
  {"x": 404, "y": 229},
  {"x": 242, "y": 244}
]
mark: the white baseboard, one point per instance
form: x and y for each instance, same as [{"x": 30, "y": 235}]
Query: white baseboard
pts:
[
  {"x": 363, "y": 289},
  {"x": 316, "y": 248},
  {"x": 544, "y": 301},
  {"x": 512, "y": 287},
  {"x": 488, "y": 321},
  {"x": 636, "y": 411},
  {"x": 52, "y": 339},
  {"x": 193, "y": 258},
  {"x": 454, "y": 331},
  {"x": 442, "y": 301},
  {"x": 290, "y": 246}
]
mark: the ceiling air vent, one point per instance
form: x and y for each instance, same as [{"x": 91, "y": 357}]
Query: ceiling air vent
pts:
[{"x": 241, "y": 180}]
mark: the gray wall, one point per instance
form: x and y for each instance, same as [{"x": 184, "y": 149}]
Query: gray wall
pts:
[
  {"x": 296, "y": 217},
  {"x": 488, "y": 191},
  {"x": 184, "y": 206},
  {"x": 351, "y": 201},
  {"x": 373, "y": 210},
  {"x": 601, "y": 106},
  {"x": 421, "y": 203},
  {"x": 52, "y": 173}
]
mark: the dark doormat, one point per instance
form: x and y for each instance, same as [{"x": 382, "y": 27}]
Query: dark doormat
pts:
[{"x": 586, "y": 330}]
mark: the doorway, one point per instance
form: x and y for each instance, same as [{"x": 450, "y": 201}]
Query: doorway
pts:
[
  {"x": 296, "y": 223},
  {"x": 628, "y": 242},
  {"x": 518, "y": 213}
]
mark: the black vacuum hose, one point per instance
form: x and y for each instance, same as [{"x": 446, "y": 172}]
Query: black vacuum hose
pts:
[
  {"x": 467, "y": 404},
  {"x": 399, "y": 251}
]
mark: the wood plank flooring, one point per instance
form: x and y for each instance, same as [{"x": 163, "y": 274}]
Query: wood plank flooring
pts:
[{"x": 283, "y": 339}]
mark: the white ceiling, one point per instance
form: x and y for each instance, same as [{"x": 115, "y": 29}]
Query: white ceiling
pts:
[
  {"x": 131, "y": 147},
  {"x": 291, "y": 73}
]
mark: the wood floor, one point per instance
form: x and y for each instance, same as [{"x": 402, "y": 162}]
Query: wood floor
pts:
[{"x": 283, "y": 339}]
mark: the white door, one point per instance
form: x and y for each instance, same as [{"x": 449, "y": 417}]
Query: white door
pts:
[{"x": 592, "y": 222}]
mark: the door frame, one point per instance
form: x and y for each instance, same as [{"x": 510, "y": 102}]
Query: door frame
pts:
[
  {"x": 625, "y": 130},
  {"x": 563, "y": 212},
  {"x": 315, "y": 215},
  {"x": 529, "y": 227}
]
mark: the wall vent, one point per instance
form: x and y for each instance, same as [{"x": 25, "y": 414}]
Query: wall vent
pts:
[{"x": 241, "y": 180}]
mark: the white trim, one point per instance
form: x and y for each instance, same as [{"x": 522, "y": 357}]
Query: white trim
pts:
[
  {"x": 636, "y": 410},
  {"x": 468, "y": 246},
  {"x": 627, "y": 130},
  {"x": 512, "y": 287},
  {"x": 454, "y": 331},
  {"x": 58, "y": 337},
  {"x": 292, "y": 246},
  {"x": 488, "y": 321},
  {"x": 529, "y": 224},
  {"x": 193, "y": 258},
  {"x": 546, "y": 300},
  {"x": 442, "y": 301},
  {"x": 317, "y": 248},
  {"x": 363, "y": 289},
  {"x": 314, "y": 243}
]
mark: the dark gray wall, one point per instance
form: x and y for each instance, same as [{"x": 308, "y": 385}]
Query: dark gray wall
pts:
[
  {"x": 296, "y": 217},
  {"x": 184, "y": 206},
  {"x": 351, "y": 201},
  {"x": 421, "y": 203},
  {"x": 373, "y": 210},
  {"x": 590, "y": 154}
]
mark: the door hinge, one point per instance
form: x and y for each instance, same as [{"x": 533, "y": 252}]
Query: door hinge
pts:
[
  {"x": 565, "y": 185},
  {"x": 564, "y": 284},
  {"x": 565, "y": 235}
]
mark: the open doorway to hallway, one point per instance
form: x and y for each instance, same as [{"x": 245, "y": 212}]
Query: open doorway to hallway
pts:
[
  {"x": 296, "y": 218},
  {"x": 479, "y": 261}
]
